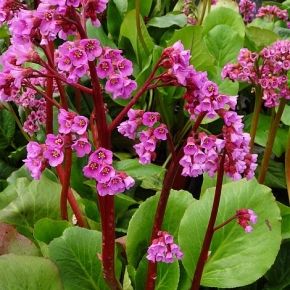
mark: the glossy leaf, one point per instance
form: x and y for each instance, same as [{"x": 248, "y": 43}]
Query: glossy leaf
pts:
[
  {"x": 257, "y": 38},
  {"x": 236, "y": 258},
  {"x": 140, "y": 226},
  {"x": 192, "y": 39},
  {"x": 168, "y": 20},
  {"x": 76, "y": 255},
  {"x": 224, "y": 43},
  {"x": 28, "y": 272},
  {"x": 226, "y": 16},
  {"x": 45, "y": 230},
  {"x": 167, "y": 276},
  {"x": 33, "y": 201},
  {"x": 150, "y": 174}
]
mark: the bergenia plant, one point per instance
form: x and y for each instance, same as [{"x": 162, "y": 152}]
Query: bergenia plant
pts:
[{"x": 116, "y": 191}]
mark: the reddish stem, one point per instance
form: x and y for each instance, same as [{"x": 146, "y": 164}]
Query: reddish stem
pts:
[
  {"x": 78, "y": 97},
  {"x": 225, "y": 223},
  {"x": 162, "y": 203},
  {"x": 72, "y": 201},
  {"x": 210, "y": 227}
]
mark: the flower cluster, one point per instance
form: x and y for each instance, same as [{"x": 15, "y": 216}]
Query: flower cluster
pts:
[
  {"x": 272, "y": 12},
  {"x": 37, "y": 116},
  {"x": 247, "y": 9},
  {"x": 202, "y": 95},
  {"x": 110, "y": 181},
  {"x": 239, "y": 162},
  {"x": 201, "y": 155},
  {"x": 246, "y": 217},
  {"x": 270, "y": 72},
  {"x": 188, "y": 10},
  {"x": 8, "y": 8},
  {"x": 273, "y": 72},
  {"x": 113, "y": 66},
  {"x": 72, "y": 57},
  {"x": 163, "y": 249},
  {"x": 72, "y": 132},
  {"x": 154, "y": 132},
  {"x": 245, "y": 69}
]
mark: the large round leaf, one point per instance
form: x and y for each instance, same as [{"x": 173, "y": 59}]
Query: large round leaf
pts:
[
  {"x": 167, "y": 276},
  {"x": 236, "y": 258},
  {"x": 225, "y": 16},
  {"x": 140, "y": 227},
  {"x": 27, "y": 272},
  {"x": 30, "y": 202},
  {"x": 76, "y": 255}
]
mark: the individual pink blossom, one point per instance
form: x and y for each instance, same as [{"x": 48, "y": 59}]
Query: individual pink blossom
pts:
[
  {"x": 65, "y": 121},
  {"x": 79, "y": 125},
  {"x": 54, "y": 156},
  {"x": 101, "y": 156},
  {"x": 81, "y": 146},
  {"x": 150, "y": 118},
  {"x": 163, "y": 249}
]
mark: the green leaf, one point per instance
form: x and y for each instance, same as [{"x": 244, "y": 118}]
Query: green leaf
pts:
[
  {"x": 168, "y": 20},
  {"x": 5, "y": 169},
  {"x": 33, "y": 201},
  {"x": 193, "y": 39},
  {"x": 167, "y": 275},
  {"x": 45, "y": 230},
  {"x": 151, "y": 174},
  {"x": 279, "y": 275},
  {"x": 226, "y": 16},
  {"x": 145, "y": 6},
  {"x": 121, "y": 5},
  {"x": 263, "y": 131},
  {"x": 7, "y": 128},
  {"x": 76, "y": 255},
  {"x": 27, "y": 272},
  {"x": 114, "y": 20},
  {"x": 98, "y": 33},
  {"x": 285, "y": 213},
  {"x": 224, "y": 43},
  {"x": 286, "y": 115},
  {"x": 257, "y": 38},
  {"x": 283, "y": 32},
  {"x": 140, "y": 226},
  {"x": 129, "y": 30},
  {"x": 236, "y": 258}
]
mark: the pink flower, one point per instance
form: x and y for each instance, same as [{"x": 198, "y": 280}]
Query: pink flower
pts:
[
  {"x": 54, "y": 141},
  {"x": 150, "y": 118},
  {"x": 104, "y": 68},
  {"x": 54, "y": 156},
  {"x": 65, "y": 121},
  {"x": 92, "y": 48},
  {"x": 163, "y": 249},
  {"x": 102, "y": 155},
  {"x": 161, "y": 132},
  {"x": 91, "y": 169},
  {"x": 82, "y": 147},
  {"x": 78, "y": 57},
  {"x": 105, "y": 173},
  {"x": 80, "y": 124}
]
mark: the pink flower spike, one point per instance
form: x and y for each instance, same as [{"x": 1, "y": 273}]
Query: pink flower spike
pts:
[{"x": 246, "y": 217}]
